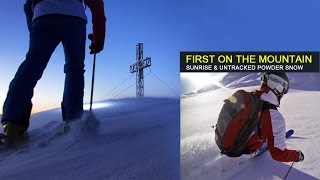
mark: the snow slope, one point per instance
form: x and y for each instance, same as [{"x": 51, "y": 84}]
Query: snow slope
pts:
[
  {"x": 138, "y": 139},
  {"x": 200, "y": 156}
]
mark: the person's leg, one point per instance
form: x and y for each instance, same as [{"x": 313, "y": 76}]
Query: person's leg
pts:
[
  {"x": 74, "y": 38},
  {"x": 44, "y": 38}
]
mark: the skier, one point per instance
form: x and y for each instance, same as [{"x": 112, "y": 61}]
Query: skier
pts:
[
  {"x": 272, "y": 124},
  {"x": 51, "y": 22}
]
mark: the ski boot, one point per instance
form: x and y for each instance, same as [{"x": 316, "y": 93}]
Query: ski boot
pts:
[{"x": 14, "y": 133}]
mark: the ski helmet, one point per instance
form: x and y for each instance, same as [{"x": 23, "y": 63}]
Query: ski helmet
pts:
[{"x": 278, "y": 82}]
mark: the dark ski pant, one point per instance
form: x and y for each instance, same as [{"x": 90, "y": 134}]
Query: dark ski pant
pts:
[{"x": 45, "y": 35}]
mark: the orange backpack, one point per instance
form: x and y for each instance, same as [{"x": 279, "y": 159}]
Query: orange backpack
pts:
[{"x": 238, "y": 118}]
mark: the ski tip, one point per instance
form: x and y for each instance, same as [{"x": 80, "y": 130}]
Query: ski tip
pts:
[{"x": 289, "y": 133}]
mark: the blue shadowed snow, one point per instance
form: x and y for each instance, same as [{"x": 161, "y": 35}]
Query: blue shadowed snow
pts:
[{"x": 138, "y": 139}]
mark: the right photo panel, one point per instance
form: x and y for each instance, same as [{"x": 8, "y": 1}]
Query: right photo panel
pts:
[
  {"x": 250, "y": 90},
  {"x": 234, "y": 126}
]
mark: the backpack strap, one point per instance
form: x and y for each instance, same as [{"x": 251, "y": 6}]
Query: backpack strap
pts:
[
  {"x": 259, "y": 132},
  {"x": 34, "y": 2},
  {"x": 265, "y": 106}
]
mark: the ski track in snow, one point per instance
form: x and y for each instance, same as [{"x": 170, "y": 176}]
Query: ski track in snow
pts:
[
  {"x": 200, "y": 156},
  {"x": 138, "y": 139}
]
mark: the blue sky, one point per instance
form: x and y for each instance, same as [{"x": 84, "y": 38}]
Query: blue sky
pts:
[
  {"x": 129, "y": 22},
  {"x": 249, "y": 25},
  {"x": 166, "y": 27}
]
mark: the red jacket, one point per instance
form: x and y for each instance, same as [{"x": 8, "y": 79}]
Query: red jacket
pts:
[
  {"x": 273, "y": 130},
  {"x": 98, "y": 20}
]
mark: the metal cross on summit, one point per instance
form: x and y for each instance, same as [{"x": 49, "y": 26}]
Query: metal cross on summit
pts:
[{"x": 138, "y": 69}]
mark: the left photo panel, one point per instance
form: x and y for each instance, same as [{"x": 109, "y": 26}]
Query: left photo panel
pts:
[{"x": 90, "y": 89}]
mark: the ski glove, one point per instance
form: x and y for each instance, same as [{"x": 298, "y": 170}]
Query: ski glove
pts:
[
  {"x": 94, "y": 47},
  {"x": 301, "y": 156}
]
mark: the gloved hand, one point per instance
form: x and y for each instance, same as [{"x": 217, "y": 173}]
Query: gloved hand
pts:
[
  {"x": 301, "y": 156},
  {"x": 95, "y": 47}
]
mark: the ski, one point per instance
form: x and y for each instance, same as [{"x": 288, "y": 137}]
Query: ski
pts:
[
  {"x": 264, "y": 147},
  {"x": 289, "y": 133}
]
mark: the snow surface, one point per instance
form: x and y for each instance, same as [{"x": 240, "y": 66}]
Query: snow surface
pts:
[
  {"x": 138, "y": 139},
  {"x": 200, "y": 156}
]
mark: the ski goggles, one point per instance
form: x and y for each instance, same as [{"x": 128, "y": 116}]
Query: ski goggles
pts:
[{"x": 277, "y": 83}]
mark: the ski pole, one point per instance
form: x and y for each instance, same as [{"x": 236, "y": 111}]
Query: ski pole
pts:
[
  {"x": 288, "y": 171},
  {"x": 92, "y": 81}
]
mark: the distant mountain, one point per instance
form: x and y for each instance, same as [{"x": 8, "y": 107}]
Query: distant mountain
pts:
[
  {"x": 301, "y": 81},
  {"x": 208, "y": 87},
  {"x": 241, "y": 79},
  {"x": 305, "y": 81}
]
